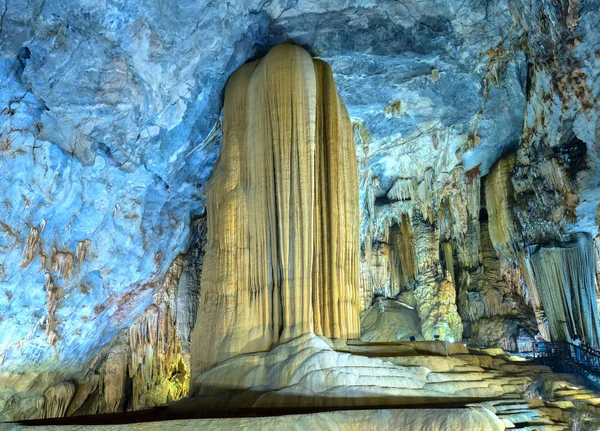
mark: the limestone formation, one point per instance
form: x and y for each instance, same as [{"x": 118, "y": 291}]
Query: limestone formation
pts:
[
  {"x": 31, "y": 247},
  {"x": 376, "y": 274},
  {"x": 477, "y": 130},
  {"x": 473, "y": 418},
  {"x": 567, "y": 283},
  {"x": 282, "y": 252},
  {"x": 499, "y": 200},
  {"x": 388, "y": 321},
  {"x": 434, "y": 290},
  {"x": 147, "y": 366},
  {"x": 388, "y": 267},
  {"x": 51, "y": 301},
  {"x": 306, "y": 371},
  {"x": 493, "y": 310},
  {"x": 57, "y": 399}
]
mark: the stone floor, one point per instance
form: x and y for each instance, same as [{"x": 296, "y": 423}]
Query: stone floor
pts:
[{"x": 485, "y": 389}]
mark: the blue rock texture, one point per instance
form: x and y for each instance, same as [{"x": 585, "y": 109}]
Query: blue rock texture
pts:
[{"x": 109, "y": 129}]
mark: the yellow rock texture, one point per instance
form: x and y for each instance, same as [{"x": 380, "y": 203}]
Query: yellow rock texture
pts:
[
  {"x": 498, "y": 195},
  {"x": 146, "y": 366},
  {"x": 389, "y": 320},
  {"x": 435, "y": 292},
  {"x": 307, "y": 372},
  {"x": 283, "y": 221}
]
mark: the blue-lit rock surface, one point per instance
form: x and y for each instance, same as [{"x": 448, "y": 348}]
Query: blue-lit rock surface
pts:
[{"x": 109, "y": 129}]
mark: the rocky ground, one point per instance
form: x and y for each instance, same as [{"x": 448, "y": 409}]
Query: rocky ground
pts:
[{"x": 471, "y": 389}]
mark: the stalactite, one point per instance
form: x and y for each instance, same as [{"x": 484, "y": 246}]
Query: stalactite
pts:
[
  {"x": 545, "y": 197},
  {"x": 402, "y": 255},
  {"x": 157, "y": 363},
  {"x": 58, "y": 398},
  {"x": 376, "y": 274},
  {"x": 147, "y": 366},
  {"x": 535, "y": 297},
  {"x": 51, "y": 303},
  {"x": 391, "y": 268},
  {"x": 114, "y": 373},
  {"x": 282, "y": 213},
  {"x": 435, "y": 293},
  {"x": 458, "y": 218},
  {"x": 62, "y": 263},
  {"x": 564, "y": 273},
  {"x": 30, "y": 247},
  {"x": 81, "y": 253},
  {"x": 499, "y": 197},
  {"x": 402, "y": 190},
  {"x": 494, "y": 312},
  {"x": 425, "y": 195},
  {"x": 449, "y": 259}
]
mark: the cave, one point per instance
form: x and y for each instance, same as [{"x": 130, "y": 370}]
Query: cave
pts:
[{"x": 300, "y": 215}]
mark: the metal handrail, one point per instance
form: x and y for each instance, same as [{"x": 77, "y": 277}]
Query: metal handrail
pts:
[{"x": 582, "y": 356}]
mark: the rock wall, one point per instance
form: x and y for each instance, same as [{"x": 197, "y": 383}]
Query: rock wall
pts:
[
  {"x": 110, "y": 128},
  {"x": 499, "y": 201},
  {"x": 146, "y": 365},
  {"x": 282, "y": 252},
  {"x": 388, "y": 267},
  {"x": 468, "y": 253},
  {"x": 434, "y": 289},
  {"x": 389, "y": 321},
  {"x": 494, "y": 310}
]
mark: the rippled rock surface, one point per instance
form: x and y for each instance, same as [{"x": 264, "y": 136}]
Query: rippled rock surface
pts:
[{"x": 110, "y": 128}]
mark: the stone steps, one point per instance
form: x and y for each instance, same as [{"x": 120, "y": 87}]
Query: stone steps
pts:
[{"x": 519, "y": 412}]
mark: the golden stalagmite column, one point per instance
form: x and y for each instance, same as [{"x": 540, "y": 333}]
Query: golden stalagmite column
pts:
[{"x": 283, "y": 220}]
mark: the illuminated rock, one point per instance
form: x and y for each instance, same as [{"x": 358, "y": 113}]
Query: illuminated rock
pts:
[
  {"x": 282, "y": 252},
  {"x": 499, "y": 200},
  {"x": 388, "y": 267},
  {"x": 110, "y": 128},
  {"x": 434, "y": 291},
  {"x": 565, "y": 277},
  {"x": 389, "y": 320},
  {"x": 307, "y": 371}
]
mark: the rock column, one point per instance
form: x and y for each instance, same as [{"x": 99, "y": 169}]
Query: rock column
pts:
[{"x": 283, "y": 221}]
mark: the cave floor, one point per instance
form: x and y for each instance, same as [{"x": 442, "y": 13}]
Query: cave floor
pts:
[{"x": 528, "y": 396}]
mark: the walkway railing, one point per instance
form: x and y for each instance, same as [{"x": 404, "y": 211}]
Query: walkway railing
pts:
[{"x": 581, "y": 359}]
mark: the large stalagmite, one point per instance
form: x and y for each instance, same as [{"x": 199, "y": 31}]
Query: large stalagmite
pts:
[{"x": 283, "y": 221}]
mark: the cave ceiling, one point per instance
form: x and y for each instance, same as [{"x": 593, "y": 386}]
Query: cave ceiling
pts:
[{"x": 111, "y": 125}]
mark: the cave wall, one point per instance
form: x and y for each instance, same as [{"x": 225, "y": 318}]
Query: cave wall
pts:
[
  {"x": 542, "y": 192},
  {"x": 388, "y": 267},
  {"x": 110, "y": 127},
  {"x": 146, "y": 365}
]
